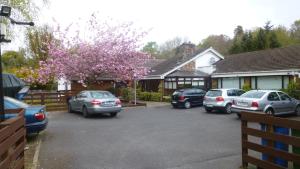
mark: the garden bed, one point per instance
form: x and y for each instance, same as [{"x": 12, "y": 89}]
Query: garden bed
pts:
[{"x": 131, "y": 104}]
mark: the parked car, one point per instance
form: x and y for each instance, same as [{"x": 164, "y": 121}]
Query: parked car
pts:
[
  {"x": 220, "y": 99},
  {"x": 95, "y": 102},
  {"x": 35, "y": 116},
  {"x": 269, "y": 101},
  {"x": 187, "y": 98}
]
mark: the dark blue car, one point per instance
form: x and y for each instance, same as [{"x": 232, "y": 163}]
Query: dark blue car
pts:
[{"x": 36, "y": 119}]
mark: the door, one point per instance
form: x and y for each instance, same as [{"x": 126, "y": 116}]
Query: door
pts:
[
  {"x": 274, "y": 101},
  {"x": 287, "y": 103},
  {"x": 199, "y": 95}
]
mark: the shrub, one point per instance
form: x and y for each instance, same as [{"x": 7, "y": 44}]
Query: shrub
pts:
[
  {"x": 293, "y": 90},
  {"x": 126, "y": 94},
  {"x": 155, "y": 97},
  {"x": 150, "y": 96},
  {"x": 166, "y": 99},
  {"x": 246, "y": 87}
]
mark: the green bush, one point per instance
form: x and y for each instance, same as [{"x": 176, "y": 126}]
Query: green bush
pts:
[
  {"x": 293, "y": 90},
  {"x": 166, "y": 98},
  {"x": 126, "y": 94},
  {"x": 150, "y": 96},
  {"x": 246, "y": 87}
]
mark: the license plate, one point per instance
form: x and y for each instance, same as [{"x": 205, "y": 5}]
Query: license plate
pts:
[
  {"x": 174, "y": 102},
  {"x": 209, "y": 105},
  {"x": 242, "y": 104}
]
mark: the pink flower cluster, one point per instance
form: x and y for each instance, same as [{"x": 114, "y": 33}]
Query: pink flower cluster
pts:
[{"x": 109, "y": 52}]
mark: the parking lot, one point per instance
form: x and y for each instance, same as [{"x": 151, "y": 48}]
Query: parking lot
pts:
[{"x": 155, "y": 137}]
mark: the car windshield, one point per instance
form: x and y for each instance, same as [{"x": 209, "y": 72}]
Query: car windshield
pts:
[
  {"x": 101, "y": 95},
  {"x": 253, "y": 94},
  {"x": 177, "y": 92},
  {"x": 16, "y": 102},
  {"x": 214, "y": 93}
]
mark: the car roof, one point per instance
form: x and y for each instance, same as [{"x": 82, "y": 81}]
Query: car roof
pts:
[
  {"x": 226, "y": 89},
  {"x": 267, "y": 90}
]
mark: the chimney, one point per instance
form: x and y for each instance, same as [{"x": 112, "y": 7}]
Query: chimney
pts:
[{"x": 186, "y": 49}]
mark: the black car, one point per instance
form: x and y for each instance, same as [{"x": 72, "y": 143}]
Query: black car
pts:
[{"x": 187, "y": 98}]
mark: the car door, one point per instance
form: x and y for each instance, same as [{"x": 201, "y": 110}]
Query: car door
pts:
[
  {"x": 287, "y": 103},
  {"x": 76, "y": 102},
  {"x": 274, "y": 102},
  {"x": 190, "y": 94},
  {"x": 231, "y": 94},
  {"x": 199, "y": 95}
]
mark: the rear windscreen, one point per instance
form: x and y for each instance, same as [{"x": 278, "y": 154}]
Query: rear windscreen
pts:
[
  {"x": 214, "y": 93},
  {"x": 101, "y": 95},
  {"x": 253, "y": 94}
]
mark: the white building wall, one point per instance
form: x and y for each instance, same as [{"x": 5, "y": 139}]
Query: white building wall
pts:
[{"x": 204, "y": 62}]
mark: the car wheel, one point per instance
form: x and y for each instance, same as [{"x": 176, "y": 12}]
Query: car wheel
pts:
[
  {"x": 297, "y": 112},
  {"x": 85, "y": 112},
  {"x": 208, "y": 110},
  {"x": 270, "y": 112},
  {"x": 228, "y": 109},
  {"x": 187, "y": 104},
  {"x": 70, "y": 108},
  {"x": 114, "y": 114}
]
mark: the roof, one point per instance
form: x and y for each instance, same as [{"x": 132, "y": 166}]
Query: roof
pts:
[
  {"x": 183, "y": 73},
  {"x": 285, "y": 58},
  {"x": 173, "y": 62},
  {"x": 153, "y": 62}
]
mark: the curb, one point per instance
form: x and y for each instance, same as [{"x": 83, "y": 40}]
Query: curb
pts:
[{"x": 36, "y": 155}]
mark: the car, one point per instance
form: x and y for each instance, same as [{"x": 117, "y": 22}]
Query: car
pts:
[
  {"x": 95, "y": 102},
  {"x": 272, "y": 102},
  {"x": 220, "y": 99},
  {"x": 187, "y": 98},
  {"x": 35, "y": 116}
]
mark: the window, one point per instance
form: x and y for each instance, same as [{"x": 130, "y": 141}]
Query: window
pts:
[
  {"x": 240, "y": 92},
  {"x": 253, "y": 94},
  {"x": 284, "y": 96},
  {"x": 231, "y": 93},
  {"x": 273, "y": 97},
  {"x": 214, "y": 93}
]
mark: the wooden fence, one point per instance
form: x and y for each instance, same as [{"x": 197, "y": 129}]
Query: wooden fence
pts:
[
  {"x": 12, "y": 141},
  {"x": 271, "y": 137},
  {"x": 54, "y": 101}
]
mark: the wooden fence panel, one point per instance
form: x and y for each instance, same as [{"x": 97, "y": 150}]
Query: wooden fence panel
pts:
[
  {"x": 270, "y": 136},
  {"x": 12, "y": 141}
]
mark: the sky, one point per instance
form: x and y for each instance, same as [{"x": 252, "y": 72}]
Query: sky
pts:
[{"x": 166, "y": 19}]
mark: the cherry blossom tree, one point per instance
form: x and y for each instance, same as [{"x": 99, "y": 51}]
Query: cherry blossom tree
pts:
[{"x": 102, "y": 51}]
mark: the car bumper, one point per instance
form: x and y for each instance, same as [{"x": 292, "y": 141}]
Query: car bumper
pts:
[
  {"x": 238, "y": 110},
  {"x": 215, "y": 106},
  {"x": 104, "y": 110},
  {"x": 36, "y": 127},
  {"x": 177, "y": 103}
]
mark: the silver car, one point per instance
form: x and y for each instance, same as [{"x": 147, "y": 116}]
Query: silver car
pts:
[
  {"x": 95, "y": 102},
  {"x": 221, "y": 99},
  {"x": 269, "y": 101}
]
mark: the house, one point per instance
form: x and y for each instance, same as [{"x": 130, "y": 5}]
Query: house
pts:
[
  {"x": 190, "y": 67},
  {"x": 265, "y": 69}
]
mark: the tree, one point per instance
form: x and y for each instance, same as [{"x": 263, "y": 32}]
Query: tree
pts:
[
  {"x": 151, "y": 48},
  {"x": 221, "y": 43},
  {"x": 38, "y": 40},
  {"x": 238, "y": 35},
  {"x": 273, "y": 41},
  {"x": 168, "y": 48},
  {"x": 12, "y": 59},
  {"x": 247, "y": 42},
  {"x": 295, "y": 31},
  {"x": 261, "y": 40},
  {"x": 111, "y": 51}
]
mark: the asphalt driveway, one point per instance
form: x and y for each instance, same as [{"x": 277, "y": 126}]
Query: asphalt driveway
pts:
[{"x": 142, "y": 138}]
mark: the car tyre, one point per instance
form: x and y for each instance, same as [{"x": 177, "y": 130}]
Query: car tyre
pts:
[
  {"x": 187, "y": 104},
  {"x": 114, "y": 114},
  {"x": 270, "y": 112},
  {"x": 70, "y": 108},
  {"x": 297, "y": 112},
  {"x": 85, "y": 112},
  {"x": 228, "y": 109}
]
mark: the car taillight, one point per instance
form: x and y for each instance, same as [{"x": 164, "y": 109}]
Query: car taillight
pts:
[
  {"x": 39, "y": 116},
  {"x": 118, "y": 102},
  {"x": 96, "y": 102},
  {"x": 220, "y": 99},
  {"x": 181, "y": 98},
  {"x": 254, "y": 104}
]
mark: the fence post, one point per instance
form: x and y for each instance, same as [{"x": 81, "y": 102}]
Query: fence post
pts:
[
  {"x": 244, "y": 125},
  {"x": 43, "y": 98}
]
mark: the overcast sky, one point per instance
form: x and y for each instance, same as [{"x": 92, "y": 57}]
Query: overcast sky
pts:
[{"x": 192, "y": 19}]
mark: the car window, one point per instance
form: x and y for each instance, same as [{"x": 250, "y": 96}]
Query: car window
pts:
[
  {"x": 253, "y": 94},
  {"x": 101, "y": 95},
  {"x": 273, "y": 96},
  {"x": 189, "y": 91},
  {"x": 16, "y": 103},
  {"x": 284, "y": 96},
  {"x": 231, "y": 93},
  {"x": 240, "y": 92},
  {"x": 9, "y": 105},
  {"x": 214, "y": 93}
]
